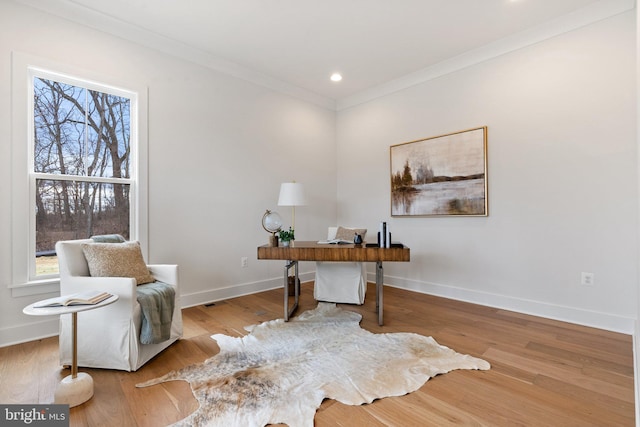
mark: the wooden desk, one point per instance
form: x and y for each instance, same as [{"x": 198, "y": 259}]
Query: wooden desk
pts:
[{"x": 314, "y": 251}]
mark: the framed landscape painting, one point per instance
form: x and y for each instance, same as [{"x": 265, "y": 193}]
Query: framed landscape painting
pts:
[{"x": 441, "y": 175}]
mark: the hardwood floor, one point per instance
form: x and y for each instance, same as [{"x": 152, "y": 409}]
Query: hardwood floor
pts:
[{"x": 543, "y": 372}]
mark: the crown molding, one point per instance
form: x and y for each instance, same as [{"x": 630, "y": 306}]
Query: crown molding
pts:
[
  {"x": 80, "y": 14},
  {"x": 75, "y": 12},
  {"x": 580, "y": 18}
]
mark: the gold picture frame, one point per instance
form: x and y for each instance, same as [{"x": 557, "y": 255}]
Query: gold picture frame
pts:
[{"x": 443, "y": 175}]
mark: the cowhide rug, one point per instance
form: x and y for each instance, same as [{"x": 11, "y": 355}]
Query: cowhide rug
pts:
[{"x": 282, "y": 371}]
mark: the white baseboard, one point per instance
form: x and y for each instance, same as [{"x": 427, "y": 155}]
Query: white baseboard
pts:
[
  {"x": 205, "y": 297},
  {"x": 578, "y": 316},
  {"x": 29, "y": 332},
  {"x": 49, "y": 327}
]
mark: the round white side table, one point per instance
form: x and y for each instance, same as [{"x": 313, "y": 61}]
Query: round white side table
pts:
[{"x": 76, "y": 388}]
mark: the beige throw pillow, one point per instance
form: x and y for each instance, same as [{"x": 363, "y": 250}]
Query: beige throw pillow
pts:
[
  {"x": 117, "y": 260},
  {"x": 349, "y": 233}
]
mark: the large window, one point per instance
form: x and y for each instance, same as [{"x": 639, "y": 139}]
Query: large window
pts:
[
  {"x": 78, "y": 156},
  {"x": 81, "y": 165}
]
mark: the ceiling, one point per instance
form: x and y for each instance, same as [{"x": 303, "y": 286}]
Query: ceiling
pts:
[{"x": 295, "y": 45}]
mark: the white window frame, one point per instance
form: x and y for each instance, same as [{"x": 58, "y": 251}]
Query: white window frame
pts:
[{"x": 25, "y": 68}]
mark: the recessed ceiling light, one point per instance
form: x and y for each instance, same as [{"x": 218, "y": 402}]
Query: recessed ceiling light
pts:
[{"x": 336, "y": 77}]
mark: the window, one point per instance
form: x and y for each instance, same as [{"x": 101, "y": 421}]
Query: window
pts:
[
  {"x": 81, "y": 166},
  {"x": 78, "y": 154}
]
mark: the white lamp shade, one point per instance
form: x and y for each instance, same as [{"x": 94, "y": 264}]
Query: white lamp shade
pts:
[{"x": 291, "y": 194}]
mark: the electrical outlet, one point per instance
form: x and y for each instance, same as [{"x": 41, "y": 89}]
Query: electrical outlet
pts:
[
  {"x": 244, "y": 261},
  {"x": 588, "y": 279}
]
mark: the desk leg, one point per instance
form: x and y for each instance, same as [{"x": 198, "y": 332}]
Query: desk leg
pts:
[
  {"x": 379, "y": 291},
  {"x": 287, "y": 312},
  {"x": 74, "y": 389}
]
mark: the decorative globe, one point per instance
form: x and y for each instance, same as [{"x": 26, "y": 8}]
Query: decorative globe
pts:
[{"x": 271, "y": 221}]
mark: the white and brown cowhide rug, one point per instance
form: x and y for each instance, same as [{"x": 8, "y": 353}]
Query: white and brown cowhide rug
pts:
[{"x": 282, "y": 371}]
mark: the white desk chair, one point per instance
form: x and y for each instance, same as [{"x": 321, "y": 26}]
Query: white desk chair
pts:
[{"x": 340, "y": 282}]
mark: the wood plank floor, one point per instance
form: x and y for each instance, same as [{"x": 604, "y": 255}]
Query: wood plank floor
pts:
[{"x": 544, "y": 372}]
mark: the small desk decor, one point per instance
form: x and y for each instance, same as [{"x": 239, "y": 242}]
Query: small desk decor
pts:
[
  {"x": 441, "y": 175},
  {"x": 272, "y": 223},
  {"x": 286, "y": 236}
]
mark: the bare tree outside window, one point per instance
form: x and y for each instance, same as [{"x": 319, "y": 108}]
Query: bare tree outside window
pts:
[{"x": 82, "y": 159}]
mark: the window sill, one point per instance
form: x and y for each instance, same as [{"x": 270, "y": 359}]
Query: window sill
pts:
[{"x": 37, "y": 287}]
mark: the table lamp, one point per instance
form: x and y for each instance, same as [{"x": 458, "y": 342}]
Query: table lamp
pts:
[{"x": 292, "y": 194}]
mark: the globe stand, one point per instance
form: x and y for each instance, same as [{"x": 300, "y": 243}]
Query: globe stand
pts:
[{"x": 273, "y": 240}]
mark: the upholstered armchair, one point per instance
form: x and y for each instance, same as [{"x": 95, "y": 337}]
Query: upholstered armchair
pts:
[
  {"x": 109, "y": 337},
  {"x": 341, "y": 282}
]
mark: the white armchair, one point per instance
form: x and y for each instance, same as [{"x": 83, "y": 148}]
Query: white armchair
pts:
[
  {"x": 340, "y": 282},
  {"x": 109, "y": 337}
]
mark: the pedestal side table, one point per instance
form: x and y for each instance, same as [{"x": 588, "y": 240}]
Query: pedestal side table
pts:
[{"x": 76, "y": 388}]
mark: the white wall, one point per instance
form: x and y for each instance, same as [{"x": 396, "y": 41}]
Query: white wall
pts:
[
  {"x": 219, "y": 147},
  {"x": 563, "y": 194},
  {"x": 562, "y": 172}
]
